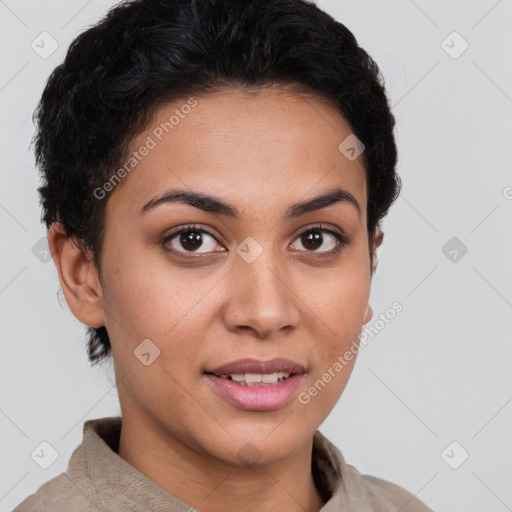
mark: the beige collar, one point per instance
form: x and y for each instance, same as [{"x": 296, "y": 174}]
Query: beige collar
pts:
[{"x": 110, "y": 479}]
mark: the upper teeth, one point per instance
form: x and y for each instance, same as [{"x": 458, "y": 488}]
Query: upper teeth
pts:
[{"x": 252, "y": 378}]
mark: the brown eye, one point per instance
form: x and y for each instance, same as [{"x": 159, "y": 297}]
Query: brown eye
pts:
[
  {"x": 189, "y": 239},
  {"x": 326, "y": 240},
  {"x": 312, "y": 240}
]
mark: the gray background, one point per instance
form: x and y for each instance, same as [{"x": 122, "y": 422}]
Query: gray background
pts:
[{"x": 439, "y": 372}]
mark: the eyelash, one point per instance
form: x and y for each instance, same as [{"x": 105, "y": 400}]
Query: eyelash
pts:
[{"x": 342, "y": 241}]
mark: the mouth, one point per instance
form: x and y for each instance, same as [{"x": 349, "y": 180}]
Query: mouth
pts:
[
  {"x": 255, "y": 379},
  {"x": 257, "y": 385}
]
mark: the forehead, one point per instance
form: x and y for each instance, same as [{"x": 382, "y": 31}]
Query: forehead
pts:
[{"x": 271, "y": 148}]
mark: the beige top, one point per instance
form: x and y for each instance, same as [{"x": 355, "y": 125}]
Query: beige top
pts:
[{"x": 98, "y": 479}]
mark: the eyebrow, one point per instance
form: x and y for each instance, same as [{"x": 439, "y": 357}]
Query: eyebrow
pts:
[{"x": 216, "y": 205}]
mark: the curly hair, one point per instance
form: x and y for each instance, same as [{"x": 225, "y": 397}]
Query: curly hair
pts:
[{"x": 144, "y": 53}]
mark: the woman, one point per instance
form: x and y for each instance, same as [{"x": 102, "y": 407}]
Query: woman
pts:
[{"x": 215, "y": 174}]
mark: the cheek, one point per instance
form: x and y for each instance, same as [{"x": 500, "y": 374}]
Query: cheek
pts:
[
  {"x": 338, "y": 300},
  {"x": 337, "y": 305},
  {"x": 149, "y": 299},
  {"x": 162, "y": 307},
  {"x": 337, "y": 311},
  {"x": 146, "y": 294}
]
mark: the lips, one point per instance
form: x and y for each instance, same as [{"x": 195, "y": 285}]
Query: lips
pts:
[{"x": 258, "y": 367}]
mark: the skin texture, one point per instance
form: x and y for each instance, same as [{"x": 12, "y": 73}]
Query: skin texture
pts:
[{"x": 261, "y": 152}]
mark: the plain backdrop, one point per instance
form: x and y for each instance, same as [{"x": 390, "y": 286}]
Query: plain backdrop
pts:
[{"x": 429, "y": 404}]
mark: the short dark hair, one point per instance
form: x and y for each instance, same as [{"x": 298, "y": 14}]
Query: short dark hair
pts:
[{"x": 145, "y": 53}]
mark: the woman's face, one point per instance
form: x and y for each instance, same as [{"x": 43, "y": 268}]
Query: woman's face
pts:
[{"x": 248, "y": 281}]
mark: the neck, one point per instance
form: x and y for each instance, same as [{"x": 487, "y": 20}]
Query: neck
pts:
[{"x": 208, "y": 483}]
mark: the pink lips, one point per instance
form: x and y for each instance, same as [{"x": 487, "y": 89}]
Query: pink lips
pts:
[
  {"x": 256, "y": 398},
  {"x": 259, "y": 398},
  {"x": 255, "y": 366}
]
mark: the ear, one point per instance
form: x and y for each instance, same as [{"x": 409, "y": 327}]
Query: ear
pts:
[
  {"x": 78, "y": 277},
  {"x": 377, "y": 240},
  {"x": 378, "y": 237}
]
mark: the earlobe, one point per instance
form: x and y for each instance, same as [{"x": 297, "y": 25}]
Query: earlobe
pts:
[
  {"x": 78, "y": 277},
  {"x": 368, "y": 314}
]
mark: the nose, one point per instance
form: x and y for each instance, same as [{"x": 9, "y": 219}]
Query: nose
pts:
[{"x": 261, "y": 298}]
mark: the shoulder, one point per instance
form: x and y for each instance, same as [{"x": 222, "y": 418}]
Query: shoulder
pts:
[
  {"x": 388, "y": 496},
  {"x": 351, "y": 490},
  {"x": 84, "y": 485},
  {"x": 59, "y": 494}
]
